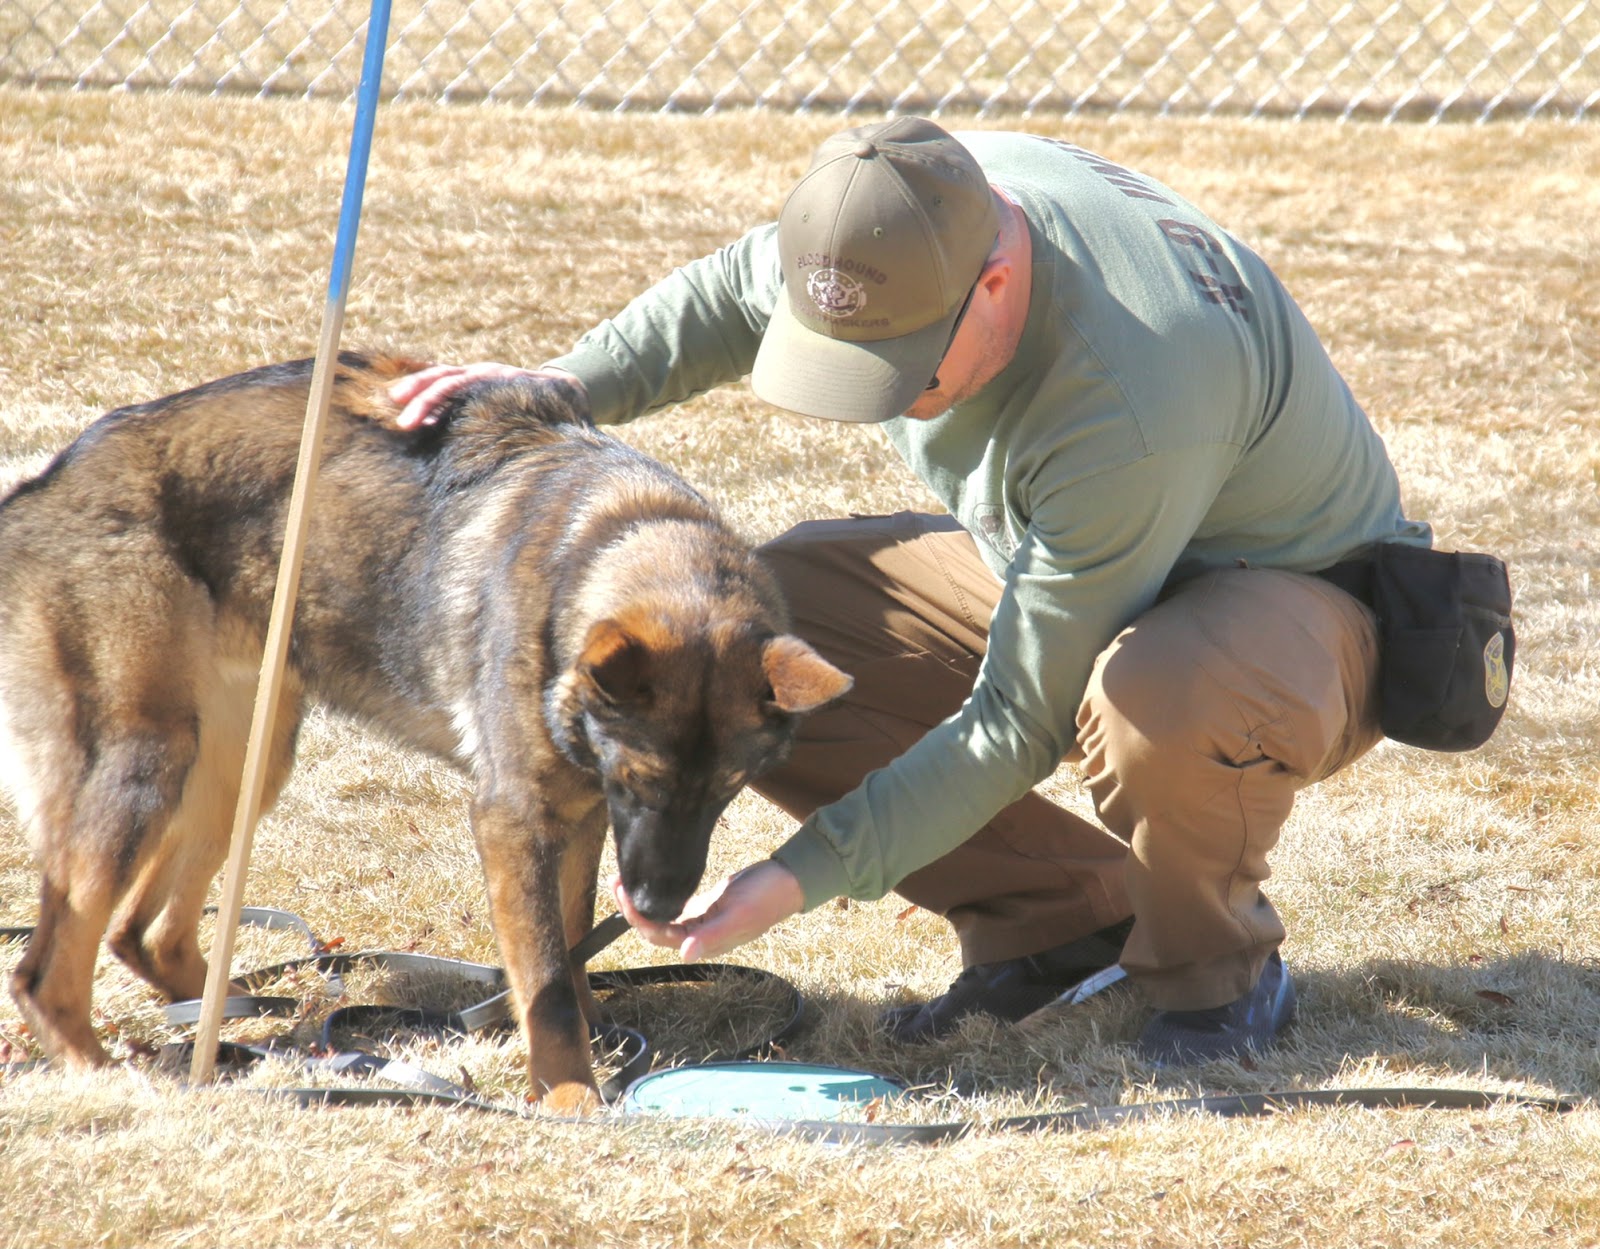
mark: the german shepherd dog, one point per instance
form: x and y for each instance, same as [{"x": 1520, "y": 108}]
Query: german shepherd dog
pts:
[{"x": 510, "y": 589}]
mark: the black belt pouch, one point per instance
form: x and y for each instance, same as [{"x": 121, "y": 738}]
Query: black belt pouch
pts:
[{"x": 1444, "y": 624}]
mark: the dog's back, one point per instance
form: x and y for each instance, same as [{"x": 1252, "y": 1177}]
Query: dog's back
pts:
[{"x": 173, "y": 512}]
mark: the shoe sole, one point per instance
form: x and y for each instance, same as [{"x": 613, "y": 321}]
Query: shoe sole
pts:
[{"x": 1085, "y": 989}]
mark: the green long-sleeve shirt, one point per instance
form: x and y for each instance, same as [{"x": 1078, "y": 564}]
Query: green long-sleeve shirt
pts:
[{"x": 1169, "y": 410}]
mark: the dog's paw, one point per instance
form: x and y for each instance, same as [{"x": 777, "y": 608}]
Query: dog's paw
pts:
[{"x": 572, "y": 1098}]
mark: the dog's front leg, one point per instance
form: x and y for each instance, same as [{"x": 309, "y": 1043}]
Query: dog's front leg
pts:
[
  {"x": 580, "y": 869},
  {"x": 522, "y": 847}
]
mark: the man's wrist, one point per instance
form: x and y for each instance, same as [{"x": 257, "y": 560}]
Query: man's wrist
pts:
[
  {"x": 815, "y": 866},
  {"x": 593, "y": 370}
]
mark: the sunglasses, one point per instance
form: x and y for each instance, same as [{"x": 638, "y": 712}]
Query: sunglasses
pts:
[{"x": 955, "y": 328}]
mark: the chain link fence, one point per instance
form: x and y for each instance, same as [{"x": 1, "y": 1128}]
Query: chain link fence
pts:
[{"x": 1393, "y": 59}]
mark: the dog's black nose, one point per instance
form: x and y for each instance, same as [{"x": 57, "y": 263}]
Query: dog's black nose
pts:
[{"x": 658, "y": 905}]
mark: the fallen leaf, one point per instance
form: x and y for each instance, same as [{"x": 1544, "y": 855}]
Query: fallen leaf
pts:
[
  {"x": 1499, "y": 999},
  {"x": 1400, "y": 1146},
  {"x": 907, "y": 913}
]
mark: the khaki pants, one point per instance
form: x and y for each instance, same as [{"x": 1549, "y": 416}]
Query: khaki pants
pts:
[{"x": 1200, "y": 722}]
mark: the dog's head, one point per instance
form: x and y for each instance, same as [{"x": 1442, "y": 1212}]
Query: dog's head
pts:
[{"x": 678, "y": 725}]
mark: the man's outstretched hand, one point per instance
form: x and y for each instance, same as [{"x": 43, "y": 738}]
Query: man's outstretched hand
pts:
[
  {"x": 740, "y": 909},
  {"x": 422, "y": 394}
]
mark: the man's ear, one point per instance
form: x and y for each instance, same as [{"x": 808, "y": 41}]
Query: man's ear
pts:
[
  {"x": 996, "y": 277},
  {"x": 801, "y": 679},
  {"x": 615, "y": 663}
]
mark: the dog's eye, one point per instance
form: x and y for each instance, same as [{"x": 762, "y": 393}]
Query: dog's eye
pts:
[{"x": 647, "y": 791}]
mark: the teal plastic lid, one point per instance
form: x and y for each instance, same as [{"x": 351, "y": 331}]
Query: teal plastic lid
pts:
[{"x": 756, "y": 1090}]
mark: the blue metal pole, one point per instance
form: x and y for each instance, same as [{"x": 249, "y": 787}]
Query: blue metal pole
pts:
[
  {"x": 355, "y": 178},
  {"x": 253, "y": 784}
]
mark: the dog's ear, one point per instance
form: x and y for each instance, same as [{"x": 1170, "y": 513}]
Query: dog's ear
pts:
[
  {"x": 801, "y": 679},
  {"x": 615, "y": 663}
]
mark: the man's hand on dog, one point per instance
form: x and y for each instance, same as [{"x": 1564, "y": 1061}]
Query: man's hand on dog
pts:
[
  {"x": 740, "y": 909},
  {"x": 421, "y": 395}
]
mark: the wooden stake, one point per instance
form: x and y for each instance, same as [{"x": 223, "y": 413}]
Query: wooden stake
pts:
[{"x": 268, "y": 689}]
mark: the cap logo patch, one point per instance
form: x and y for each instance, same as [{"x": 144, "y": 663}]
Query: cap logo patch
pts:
[{"x": 836, "y": 294}]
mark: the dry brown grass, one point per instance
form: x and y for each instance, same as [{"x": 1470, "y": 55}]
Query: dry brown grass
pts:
[{"x": 1444, "y": 913}]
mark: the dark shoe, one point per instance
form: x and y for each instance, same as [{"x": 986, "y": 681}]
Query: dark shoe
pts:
[
  {"x": 1009, "y": 989},
  {"x": 1179, "y": 1037}
]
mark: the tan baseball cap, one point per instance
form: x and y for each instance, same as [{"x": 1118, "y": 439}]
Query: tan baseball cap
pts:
[{"x": 881, "y": 242}]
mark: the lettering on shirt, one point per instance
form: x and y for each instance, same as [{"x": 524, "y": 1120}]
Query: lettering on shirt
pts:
[
  {"x": 1124, "y": 180},
  {"x": 1211, "y": 285}
]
